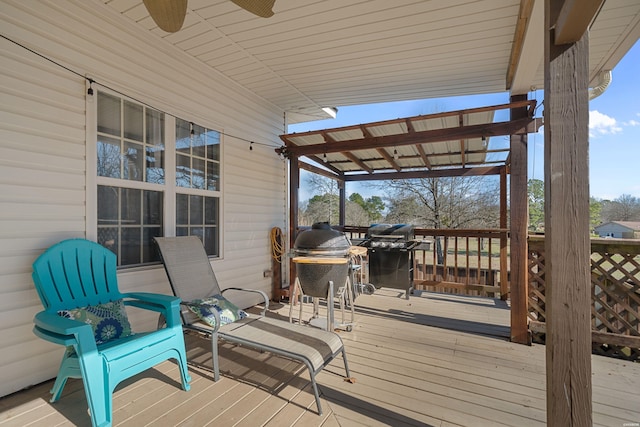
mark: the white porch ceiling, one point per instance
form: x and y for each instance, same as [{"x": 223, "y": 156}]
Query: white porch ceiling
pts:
[{"x": 317, "y": 53}]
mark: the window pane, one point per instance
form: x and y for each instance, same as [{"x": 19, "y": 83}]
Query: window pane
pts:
[
  {"x": 131, "y": 246},
  {"x": 213, "y": 145},
  {"x": 182, "y": 209},
  {"x": 196, "y": 231},
  {"x": 108, "y": 203},
  {"x": 108, "y": 114},
  {"x": 213, "y": 176},
  {"x": 108, "y": 153},
  {"x": 183, "y": 171},
  {"x": 109, "y": 238},
  {"x": 211, "y": 241},
  {"x": 198, "y": 141},
  {"x": 149, "y": 249},
  {"x": 182, "y": 231},
  {"x": 211, "y": 210},
  {"x": 197, "y": 170},
  {"x": 131, "y": 206},
  {"x": 155, "y": 128},
  {"x": 196, "y": 210},
  {"x": 133, "y": 121},
  {"x": 152, "y": 208},
  {"x": 155, "y": 165},
  {"x": 183, "y": 136},
  {"x": 155, "y": 148},
  {"x": 132, "y": 161}
]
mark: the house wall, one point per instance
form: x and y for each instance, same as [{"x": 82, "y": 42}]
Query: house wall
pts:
[
  {"x": 43, "y": 169},
  {"x": 612, "y": 229}
]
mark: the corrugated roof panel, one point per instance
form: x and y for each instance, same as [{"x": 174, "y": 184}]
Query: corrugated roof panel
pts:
[{"x": 346, "y": 135}]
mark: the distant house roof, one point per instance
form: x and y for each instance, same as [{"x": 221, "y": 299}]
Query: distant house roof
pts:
[{"x": 631, "y": 225}]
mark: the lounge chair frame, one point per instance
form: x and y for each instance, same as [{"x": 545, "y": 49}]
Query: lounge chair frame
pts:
[{"x": 191, "y": 277}]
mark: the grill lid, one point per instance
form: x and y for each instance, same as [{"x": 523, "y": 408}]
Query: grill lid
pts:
[
  {"x": 391, "y": 232},
  {"x": 321, "y": 239}
]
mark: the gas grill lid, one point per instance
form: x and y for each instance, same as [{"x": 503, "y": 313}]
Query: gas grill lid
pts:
[{"x": 391, "y": 232}]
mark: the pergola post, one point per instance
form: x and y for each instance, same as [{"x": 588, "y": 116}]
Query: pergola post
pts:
[
  {"x": 567, "y": 243},
  {"x": 518, "y": 230},
  {"x": 343, "y": 202},
  {"x": 504, "y": 265},
  {"x": 294, "y": 187}
]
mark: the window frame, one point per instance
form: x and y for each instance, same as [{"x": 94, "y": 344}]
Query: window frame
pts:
[{"x": 169, "y": 188}]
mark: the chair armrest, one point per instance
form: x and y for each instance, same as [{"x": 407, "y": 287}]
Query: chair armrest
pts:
[
  {"x": 168, "y": 305},
  {"x": 60, "y": 330},
  {"x": 256, "y": 291}
]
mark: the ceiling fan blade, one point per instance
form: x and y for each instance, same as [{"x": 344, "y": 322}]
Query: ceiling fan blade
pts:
[
  {"x": 262, "y": 8},
  {"x": 167, "y": 14}
]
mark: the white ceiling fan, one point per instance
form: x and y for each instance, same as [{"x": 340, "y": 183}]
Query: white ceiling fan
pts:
[{"x": 169, "y": 14}]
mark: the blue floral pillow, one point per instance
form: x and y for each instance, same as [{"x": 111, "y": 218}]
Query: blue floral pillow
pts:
[
  {"x": 109, "y": 321},
  {"x": 228, "y": 311}
]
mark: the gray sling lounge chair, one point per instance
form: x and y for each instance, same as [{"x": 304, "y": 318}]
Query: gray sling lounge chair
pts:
[{"x": 192, "y": 278}]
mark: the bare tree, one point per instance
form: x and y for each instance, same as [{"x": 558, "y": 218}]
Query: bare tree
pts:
[
  {"x": 356, "y": 215},
  {"x": 624, "y": 208},
  {"x": 453, "y": 202}
]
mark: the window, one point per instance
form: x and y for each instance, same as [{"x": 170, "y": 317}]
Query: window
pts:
[
  {"x": 134, "y": 187},
  {"x": 198, "y": 168}
]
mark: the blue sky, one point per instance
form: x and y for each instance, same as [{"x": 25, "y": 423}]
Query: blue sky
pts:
[{"x": 614, "y": 130}]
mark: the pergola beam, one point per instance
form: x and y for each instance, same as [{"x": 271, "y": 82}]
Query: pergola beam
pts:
[
  {"x": 318, "y": 171},
  {"x": 425, "y": 137},
  {"x": 438, "y": 173}
]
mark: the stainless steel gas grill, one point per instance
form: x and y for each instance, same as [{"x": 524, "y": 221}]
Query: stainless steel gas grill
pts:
[{"x": 390, "y": 250}]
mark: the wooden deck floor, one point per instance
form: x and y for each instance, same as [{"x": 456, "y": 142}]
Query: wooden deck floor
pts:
[{"x": 434, "y": 360}]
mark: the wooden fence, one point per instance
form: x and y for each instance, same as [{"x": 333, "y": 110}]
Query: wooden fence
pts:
[{"x": 615, "y": 295}]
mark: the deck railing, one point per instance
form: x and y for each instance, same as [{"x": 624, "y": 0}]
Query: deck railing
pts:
[
  {"x": 468, "y": 262},
  {"x": 475, "y": 262},
  {"x": 615, "y": 295}
]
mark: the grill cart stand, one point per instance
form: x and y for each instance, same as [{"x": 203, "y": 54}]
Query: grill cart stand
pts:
[{"x": 343, "y": 293}]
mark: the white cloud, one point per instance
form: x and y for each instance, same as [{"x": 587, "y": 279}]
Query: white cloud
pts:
[
  {"x": 632, "y": 123},
  {"x": 601, "y": 124}
]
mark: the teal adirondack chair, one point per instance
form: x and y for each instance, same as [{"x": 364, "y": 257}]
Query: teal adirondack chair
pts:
[{"x": 84, "y": 311}]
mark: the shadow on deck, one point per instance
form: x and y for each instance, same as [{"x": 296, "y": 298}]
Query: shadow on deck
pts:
[{"x": 432, "y": 360}]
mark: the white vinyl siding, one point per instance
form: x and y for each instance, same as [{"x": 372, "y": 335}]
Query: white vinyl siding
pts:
[{"x": 47, "y": 193}]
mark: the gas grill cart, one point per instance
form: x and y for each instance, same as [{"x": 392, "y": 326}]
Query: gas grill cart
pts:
[
  {"x": 321, "y": 256},
  {"x": 390, "y": 250}
]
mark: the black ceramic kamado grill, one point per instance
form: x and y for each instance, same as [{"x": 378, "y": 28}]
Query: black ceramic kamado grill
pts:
[
  {"x": 390, "y": 250},
  {"x": 321, "y": 257}
]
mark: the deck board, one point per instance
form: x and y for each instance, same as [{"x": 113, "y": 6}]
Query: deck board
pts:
[{"x": 433, "y": 360}]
